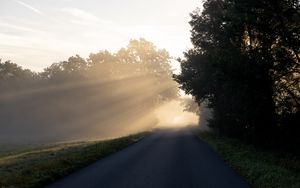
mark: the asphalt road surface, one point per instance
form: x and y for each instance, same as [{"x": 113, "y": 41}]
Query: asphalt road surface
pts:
[{"x": 167, "y": 158}]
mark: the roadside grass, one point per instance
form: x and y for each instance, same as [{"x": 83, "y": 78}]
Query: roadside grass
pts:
[
  {"x": 37, "y": 167},
  {"x": 260, "y": 168}
]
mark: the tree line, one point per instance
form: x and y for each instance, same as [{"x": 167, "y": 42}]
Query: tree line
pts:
[
  {"x": 107, "y": 94},
  {"x": 245, "y": 64}
]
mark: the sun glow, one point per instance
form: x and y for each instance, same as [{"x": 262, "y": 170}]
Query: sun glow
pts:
[{"x": 172, "y": 114}]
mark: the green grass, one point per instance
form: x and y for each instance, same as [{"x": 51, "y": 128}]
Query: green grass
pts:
[
  {"x": 259, "y": 168},
  {"x": 35, "y": 167}
]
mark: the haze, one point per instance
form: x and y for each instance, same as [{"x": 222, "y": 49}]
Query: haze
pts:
[
  {"x": 106, "y": 95},
  {"x": 120, "y": 83}
]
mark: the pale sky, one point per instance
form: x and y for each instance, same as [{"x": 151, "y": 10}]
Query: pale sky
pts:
[{"x": 37, "y": 33}]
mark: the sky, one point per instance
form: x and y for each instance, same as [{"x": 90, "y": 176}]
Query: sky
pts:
[{"x": 37, "y": 33}]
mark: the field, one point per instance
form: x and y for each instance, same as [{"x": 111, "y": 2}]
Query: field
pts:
[{"x": 36, "y": 166}]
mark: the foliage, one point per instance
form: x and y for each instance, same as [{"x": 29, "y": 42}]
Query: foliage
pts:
[{"x": 245, "y": 63}]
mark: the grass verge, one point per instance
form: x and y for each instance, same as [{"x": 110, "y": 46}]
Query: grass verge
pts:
[
  {"x": 40, "y": 166},
  {"x": 259, "y": 168}
]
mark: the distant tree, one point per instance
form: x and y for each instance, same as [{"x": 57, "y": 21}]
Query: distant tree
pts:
[
  {"x": 245, "y": 63},
  {"x": 140, "y": 59},
  {"x": 13, "y": 76},
  {"x": 9, "y": 70},
  {"x": 74, "y": 67}
]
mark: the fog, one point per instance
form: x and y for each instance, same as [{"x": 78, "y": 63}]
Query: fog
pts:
[
  {"x": 112, "y": 109},
  {"x": 108, "y": 95},
  {"x": 173, "y": 115}
]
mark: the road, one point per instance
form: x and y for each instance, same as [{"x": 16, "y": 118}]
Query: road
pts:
[{"x": 167, "y": 158}]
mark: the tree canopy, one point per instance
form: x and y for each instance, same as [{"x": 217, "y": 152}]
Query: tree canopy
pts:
[{"x": 245, "y": 63}]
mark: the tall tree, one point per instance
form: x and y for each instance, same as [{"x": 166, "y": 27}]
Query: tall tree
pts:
[{"x": 245, "y": 63}]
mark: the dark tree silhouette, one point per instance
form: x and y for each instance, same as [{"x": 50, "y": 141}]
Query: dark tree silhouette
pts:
[{"x": 245, "y": 63}]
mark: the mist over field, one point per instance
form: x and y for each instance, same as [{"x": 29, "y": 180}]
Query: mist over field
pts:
[
  {"x": 107, "y": 95},
  {"x": 104, "y": 94}
]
